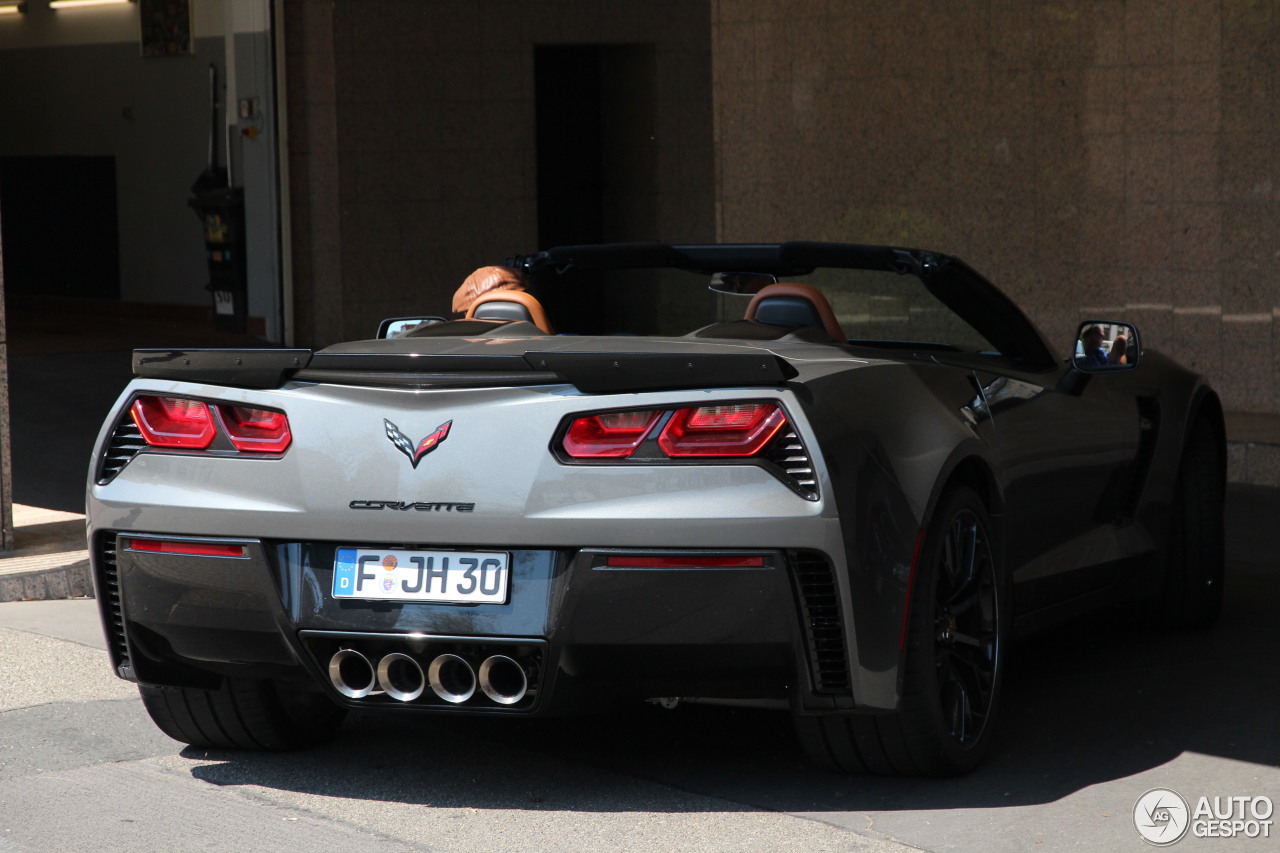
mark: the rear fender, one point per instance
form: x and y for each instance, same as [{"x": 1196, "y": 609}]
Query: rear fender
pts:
[{"x": 891, "y": 447}]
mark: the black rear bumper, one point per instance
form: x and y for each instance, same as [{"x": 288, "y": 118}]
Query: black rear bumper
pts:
[{"x": 586, "y": 633}]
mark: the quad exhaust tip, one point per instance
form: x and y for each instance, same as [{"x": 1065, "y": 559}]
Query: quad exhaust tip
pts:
[
  {"x": 503, "y": 680},
  {"x": 451, "y": 677},
  {"x": 352, "y": 674},
  {"x": 401, "y": 677}
]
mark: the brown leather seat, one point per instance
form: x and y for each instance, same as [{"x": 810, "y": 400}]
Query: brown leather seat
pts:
[
  {"x": 510, "y": 305},
  {"x": 789, "y": 303}
]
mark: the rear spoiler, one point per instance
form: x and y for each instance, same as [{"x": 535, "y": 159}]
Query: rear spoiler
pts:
[
  {"x": 589, "y": 372},
  {"x": 240, "y": 368}
]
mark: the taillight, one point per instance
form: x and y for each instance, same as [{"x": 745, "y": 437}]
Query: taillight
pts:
[
  {"x": 727, "y": 429},
  {"x": 738, "y": 429},
  {"x": 756, "y": 432},
  {"x": 184, "y": 424},
  {"x": 173, "y": 422},
  {"x": 255, "y": 430},
  {"x": 613, "y": 434}
]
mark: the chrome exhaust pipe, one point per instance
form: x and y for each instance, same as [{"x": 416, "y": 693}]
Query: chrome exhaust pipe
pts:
[
  {"x": 401, "y": 677},
  {"x": 352, "y": 674},
  {"x": 503, "y": 680},
  {"x": 452, "y": 679}
]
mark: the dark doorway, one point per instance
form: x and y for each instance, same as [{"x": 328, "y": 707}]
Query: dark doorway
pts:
[
  {"x": 59, "y": 227},
  {"x": 567, "y": 93},
  {"x": 597, "y": 160}
]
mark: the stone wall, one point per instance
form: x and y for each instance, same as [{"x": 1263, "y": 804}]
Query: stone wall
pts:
[
  {"x": 412, "y": 138},
  {"x": 1093, "y": 157}
]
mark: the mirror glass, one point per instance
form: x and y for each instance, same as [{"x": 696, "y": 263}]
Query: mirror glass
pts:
[
  {"x": 1106, "y": 345},
  {"x": 397, "y": 326}
]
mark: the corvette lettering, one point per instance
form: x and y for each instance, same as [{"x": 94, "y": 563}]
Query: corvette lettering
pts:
[{"x": 416, "y": 506}]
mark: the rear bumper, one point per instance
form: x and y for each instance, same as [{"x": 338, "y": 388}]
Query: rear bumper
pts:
[{"x": 584, "y": 632}]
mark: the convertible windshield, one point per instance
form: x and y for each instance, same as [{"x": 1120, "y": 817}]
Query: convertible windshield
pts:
[{"x": 872, "y": 307}]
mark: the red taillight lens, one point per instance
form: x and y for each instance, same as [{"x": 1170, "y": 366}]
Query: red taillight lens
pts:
[
  {"x": 173, "y": 422},
  {"x": 738, "y": 429},
  {"x": 256, "y": 430},
  {"x": 612, "y": 434},
  {"x": 189, "y": 549},
  {"x": 683, "y": 562}
]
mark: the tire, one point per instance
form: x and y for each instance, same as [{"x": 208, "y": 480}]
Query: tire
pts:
[
  {"x": 953, "y": 667},
  {"x": 1196, "y": 562},
  {"x": 243, "y": 714}
]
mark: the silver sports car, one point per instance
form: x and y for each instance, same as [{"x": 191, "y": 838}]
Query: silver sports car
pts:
[{"x": 836, "y": 479}]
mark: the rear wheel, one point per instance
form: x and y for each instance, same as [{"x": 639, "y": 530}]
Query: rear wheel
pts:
[
  {"x": 954, "y": 663},
  {"x": 1195, "y": 556},
  {"x": 243, "y": 714}
]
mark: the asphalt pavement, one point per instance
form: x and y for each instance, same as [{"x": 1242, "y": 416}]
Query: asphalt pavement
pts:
[{"x": 1097, "y": 713}]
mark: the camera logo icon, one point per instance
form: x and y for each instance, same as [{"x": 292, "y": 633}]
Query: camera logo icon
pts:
[{"x": 1161, "y": 817}]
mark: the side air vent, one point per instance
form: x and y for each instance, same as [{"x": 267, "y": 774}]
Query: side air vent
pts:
[
  {"x": 126, "y": 442},
  {"x": 1148, "y": 431},
  {"x": 104, "y": 560},
  {"x": 822, "y": 623},
  {"x": 788, "y": 452}
]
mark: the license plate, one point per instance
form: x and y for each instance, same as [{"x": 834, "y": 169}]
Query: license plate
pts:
[{"x": 450, "y": 577}]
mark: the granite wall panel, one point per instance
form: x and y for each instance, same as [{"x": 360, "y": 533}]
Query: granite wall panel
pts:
[{"x": 1116, "y": 155}]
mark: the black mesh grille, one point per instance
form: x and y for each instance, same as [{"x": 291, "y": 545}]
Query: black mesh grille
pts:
[
  {"x": 126, "y": 442},
  {"x": 820, "y": 616},
  {"x": 788, "y": 452},
  {"x": 109, "y": 602}
]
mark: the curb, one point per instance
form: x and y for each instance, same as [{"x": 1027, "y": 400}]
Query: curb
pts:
[
  {"x": 57, "y": 582},
  {"x": 49, "y": 560}
]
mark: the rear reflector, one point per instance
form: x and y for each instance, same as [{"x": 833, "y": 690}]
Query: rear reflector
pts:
[
  {"x": 256, "y": 430},
  {"x": 739, "y": 429},
  {"x": 173, "y": 422},
  {"x": 613, "y": 434},
  {"x": 189, "y": 549},
  {"x": 682, "y": 562}
]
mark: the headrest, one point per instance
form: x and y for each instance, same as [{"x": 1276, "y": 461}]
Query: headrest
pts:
[
  {"x": 510, "y": 305},
  {"x": 486, "y": 280},
  {"x": 796, "y": 305}
]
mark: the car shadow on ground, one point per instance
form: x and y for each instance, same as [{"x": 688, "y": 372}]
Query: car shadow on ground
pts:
[{"x": 1093, "y": 701}]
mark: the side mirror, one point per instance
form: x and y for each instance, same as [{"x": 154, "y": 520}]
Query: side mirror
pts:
[
  {"x": 397, "y": 326},
  {"x": 1105, "y": 345}
]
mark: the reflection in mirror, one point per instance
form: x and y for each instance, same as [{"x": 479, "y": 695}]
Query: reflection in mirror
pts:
[
  {"x": 741, "y": 282},
  {"x": 399, "y": 325},
  {"x": 1106, "y": 345}
]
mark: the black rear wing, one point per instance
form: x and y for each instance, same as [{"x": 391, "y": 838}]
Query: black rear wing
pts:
[{"x": 589, "y": 372}]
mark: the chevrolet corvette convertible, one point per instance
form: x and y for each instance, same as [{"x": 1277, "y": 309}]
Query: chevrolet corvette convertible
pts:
[{"x": 828, "y": 478}]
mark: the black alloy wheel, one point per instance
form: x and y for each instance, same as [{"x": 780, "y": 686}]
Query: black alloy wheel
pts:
[{"x": 966, "y": 618}]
